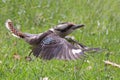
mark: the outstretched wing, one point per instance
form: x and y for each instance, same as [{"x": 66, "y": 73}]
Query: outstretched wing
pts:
[
  {"x": 53, "y": 46},
  {"x": 9, "y": 25},
  {"x": 81, "y": 46},
  {"x": 32, "y": 39}
]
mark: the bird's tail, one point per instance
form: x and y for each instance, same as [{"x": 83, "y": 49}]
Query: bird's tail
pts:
[{"x": 10, "y": 26}]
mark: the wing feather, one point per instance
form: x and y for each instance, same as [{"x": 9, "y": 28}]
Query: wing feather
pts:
[{"x": 59, "y": 48}]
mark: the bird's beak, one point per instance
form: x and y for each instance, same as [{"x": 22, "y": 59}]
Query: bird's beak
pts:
[{"x": 78, "y": 26}]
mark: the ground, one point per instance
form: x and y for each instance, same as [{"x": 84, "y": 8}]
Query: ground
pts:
[{"x": 102, "y": 29}]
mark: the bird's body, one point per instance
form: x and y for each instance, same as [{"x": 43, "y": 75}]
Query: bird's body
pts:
[
  {"x": 53, "y": 46},
  {"x": 52, "y": 43}
]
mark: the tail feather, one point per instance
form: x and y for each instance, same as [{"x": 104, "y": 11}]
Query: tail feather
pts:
[{"x": 15, "y": 32}]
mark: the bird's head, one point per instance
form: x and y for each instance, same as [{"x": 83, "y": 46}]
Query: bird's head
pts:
[{"x": 64, "y": 29}]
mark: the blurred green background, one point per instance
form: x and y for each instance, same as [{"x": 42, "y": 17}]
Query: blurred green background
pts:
[{"x": 102, "y": 20}]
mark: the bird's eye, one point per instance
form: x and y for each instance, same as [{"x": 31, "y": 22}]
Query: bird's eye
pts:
[
  {"x": 63, "y": 23},
  {"x": 58, "y": 29}
]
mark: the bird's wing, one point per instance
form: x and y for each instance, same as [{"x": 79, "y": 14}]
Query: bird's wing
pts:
[
  {"x": 54, "y": 46},
  {"x": 32, "y": 39},
  {"x": 17, "y": 33},
  {"x": 81, "y": 46}
]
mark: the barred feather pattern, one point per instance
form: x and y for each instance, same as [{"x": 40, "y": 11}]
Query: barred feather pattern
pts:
[{"x": 15, "y": 32}]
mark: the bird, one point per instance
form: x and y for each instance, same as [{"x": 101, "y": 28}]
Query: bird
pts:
[
  {"x": 53, "y": 43},
  {"x": 49, "y": 44},
  {"x": 66, "y": 28}
]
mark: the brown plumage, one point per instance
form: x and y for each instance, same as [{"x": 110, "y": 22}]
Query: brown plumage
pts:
[{"x": 11, "y": 27}]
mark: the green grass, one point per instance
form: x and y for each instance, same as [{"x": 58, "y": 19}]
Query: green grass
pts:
[{"x": 102, "y": 20}]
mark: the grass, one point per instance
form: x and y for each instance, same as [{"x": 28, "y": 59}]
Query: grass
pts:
[{"x": 102, "y": 20}]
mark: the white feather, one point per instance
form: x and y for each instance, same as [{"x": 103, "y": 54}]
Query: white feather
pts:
[
  {"x": 15, "y": 36},
  {"x": 52, "y": 30},
  {"x": 76, "y": 51},
  {"x": 6, "y": 24}
]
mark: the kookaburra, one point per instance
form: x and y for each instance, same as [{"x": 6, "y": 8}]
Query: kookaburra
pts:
[
  {"x": 52, "y": 43},
  {"x": 64, "y": 29}
]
